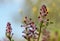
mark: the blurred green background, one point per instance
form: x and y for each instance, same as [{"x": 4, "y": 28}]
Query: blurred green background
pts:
[{"x": 32, "y": 9}]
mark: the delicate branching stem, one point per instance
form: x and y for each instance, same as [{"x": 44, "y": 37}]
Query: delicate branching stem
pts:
[{"x": 40, "y": 31}]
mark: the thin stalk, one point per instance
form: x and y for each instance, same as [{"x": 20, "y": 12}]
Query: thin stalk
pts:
[
  {"x": 10, "y": 39},
  {"x": 40, "y": 31},
  {"x": 28, "y": 39}
]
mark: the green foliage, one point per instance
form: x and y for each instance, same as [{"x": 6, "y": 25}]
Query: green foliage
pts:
[
  {"x": 51, "y": 22},
  {"x": 12, "y": 40}
]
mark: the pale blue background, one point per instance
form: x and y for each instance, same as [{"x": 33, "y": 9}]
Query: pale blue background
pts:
[{"x": 9, "y": 9}]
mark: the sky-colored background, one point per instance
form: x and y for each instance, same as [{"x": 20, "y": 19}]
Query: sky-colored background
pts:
[{"x": 8, "y": 10}]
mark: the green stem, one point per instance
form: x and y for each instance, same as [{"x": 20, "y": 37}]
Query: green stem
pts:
[
  {"x": 10, "y": 39},
  {"x": 28, "y": 39},
  {"x": 40, "y": 31}
]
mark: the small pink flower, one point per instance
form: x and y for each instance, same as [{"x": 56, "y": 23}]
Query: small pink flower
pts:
[
  {"x": 9, "y": 31},
  {"x": 30, "y": 28},
  {"x": 43, "y": 11},
  {"x": 46, "y": 35},
  {"x": 40, "y": 19}
]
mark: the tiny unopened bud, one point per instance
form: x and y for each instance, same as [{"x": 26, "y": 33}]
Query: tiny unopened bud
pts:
[
  {"x": 47, "y": 19},
  {"x": 38, "y": 16},
  {"x": 26, "y": 17},
  {"x": 30, "y": 19}
]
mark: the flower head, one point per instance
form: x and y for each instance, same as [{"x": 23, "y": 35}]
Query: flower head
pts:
[
  {"x": 45, "y": 35},
  {"x": 9, "y": 31},
  {"x": 30, "y": 28},
  {"x": 43, "y": 11}
]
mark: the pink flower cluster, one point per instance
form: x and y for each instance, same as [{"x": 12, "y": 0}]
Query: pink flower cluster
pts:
[
  {"x": 9, "y": 31},
  {"x": 43, "y": 14},
  {"x": 30, "y": 29},
  {"x": 8, "y": 28},
  {"x": 45, "y": 35},
  {"x": 43, "y": 11}
]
